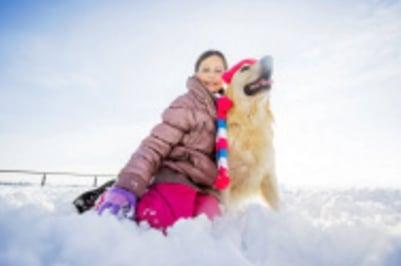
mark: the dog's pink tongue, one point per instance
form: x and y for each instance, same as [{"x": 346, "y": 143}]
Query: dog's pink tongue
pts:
[
  {"x": 265, "y": 82},
  {"x": 262, "y": 82}
]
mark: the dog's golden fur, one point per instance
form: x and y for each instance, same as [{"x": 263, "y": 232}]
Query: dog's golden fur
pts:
[{"x": 250, "y": 135}]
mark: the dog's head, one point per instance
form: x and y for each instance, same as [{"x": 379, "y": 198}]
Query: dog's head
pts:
[{"x": 250, "y": 80}]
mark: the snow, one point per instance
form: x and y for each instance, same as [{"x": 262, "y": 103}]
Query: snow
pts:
[{"x": 38, "y": 226}]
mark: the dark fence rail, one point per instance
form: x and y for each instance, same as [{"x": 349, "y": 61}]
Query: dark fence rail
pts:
[{"x": 45, "y": 174}]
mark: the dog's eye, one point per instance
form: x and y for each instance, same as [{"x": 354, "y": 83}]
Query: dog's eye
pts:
[{"x": 245, "y": 68}]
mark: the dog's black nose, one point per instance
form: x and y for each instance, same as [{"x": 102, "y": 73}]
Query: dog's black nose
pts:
[{"x": 267, "y": 65}]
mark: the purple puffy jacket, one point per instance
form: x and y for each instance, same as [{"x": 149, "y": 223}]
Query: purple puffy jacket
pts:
[{"x": 180, "y": 149}]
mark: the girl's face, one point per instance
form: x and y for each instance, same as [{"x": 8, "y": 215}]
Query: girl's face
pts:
[{"x": 210, "y": 71}]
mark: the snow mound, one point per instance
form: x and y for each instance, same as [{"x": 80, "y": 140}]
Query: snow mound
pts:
[{"x": 38, "y": 226}]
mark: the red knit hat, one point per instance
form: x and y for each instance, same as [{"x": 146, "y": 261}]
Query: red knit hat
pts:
[{"x": 228, "y": 75}]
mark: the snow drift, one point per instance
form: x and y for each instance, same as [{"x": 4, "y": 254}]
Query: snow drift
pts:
[{"x": 38, "y": 226}]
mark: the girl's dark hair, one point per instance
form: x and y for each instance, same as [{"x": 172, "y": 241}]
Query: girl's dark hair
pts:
[{"x": 207, "y": 54}]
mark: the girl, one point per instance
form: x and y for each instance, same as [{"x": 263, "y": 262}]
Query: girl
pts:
[{"x": 171, "y": 175}]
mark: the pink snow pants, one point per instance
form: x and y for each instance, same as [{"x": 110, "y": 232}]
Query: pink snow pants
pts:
[{"x": 163, "y": 204}]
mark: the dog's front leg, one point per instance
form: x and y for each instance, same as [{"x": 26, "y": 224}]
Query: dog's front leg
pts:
[{"x": 269, "y": 190}]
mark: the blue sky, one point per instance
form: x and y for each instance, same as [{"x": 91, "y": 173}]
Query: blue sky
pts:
[{"x": 82, "y": 82}]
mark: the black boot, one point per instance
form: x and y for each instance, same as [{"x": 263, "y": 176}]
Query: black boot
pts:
[{"x": 87, "y": 200}]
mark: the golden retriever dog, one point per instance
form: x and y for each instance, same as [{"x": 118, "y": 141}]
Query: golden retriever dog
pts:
[{"x": 251, "y": 160}]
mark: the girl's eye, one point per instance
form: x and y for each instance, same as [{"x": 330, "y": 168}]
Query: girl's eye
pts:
[
  {"x": 218, "y": 71},
  {"x": 245, "y": 68},
  {"x": 205, "y": 70}
]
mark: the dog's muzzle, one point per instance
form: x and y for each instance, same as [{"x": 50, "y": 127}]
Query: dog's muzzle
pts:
[{"x": 264, "y": 82}]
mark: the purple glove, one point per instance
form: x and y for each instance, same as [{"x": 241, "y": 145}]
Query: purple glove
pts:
[{"x": 119, "y": 202}]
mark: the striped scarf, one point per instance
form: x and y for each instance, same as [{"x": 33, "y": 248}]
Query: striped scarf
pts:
[{"x": 223, "y": 105}]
